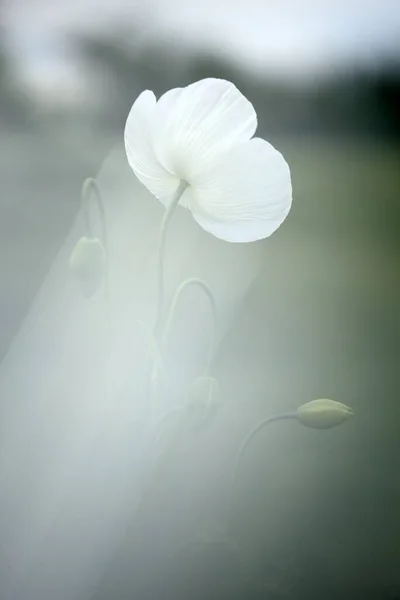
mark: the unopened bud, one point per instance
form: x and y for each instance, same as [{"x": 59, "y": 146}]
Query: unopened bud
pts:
[
  {"x": 87, "y": 263},
  {"x": 323, "y": 414}
]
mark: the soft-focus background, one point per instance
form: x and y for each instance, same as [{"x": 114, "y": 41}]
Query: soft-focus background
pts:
[{"x": 318, "y": 513}]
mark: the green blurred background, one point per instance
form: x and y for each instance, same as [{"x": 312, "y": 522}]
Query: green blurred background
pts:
[{"x": 322, "y": 319}]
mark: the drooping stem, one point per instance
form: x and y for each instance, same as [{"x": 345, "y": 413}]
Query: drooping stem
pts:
[
  {"x": 91, "y": 190},
  {"x": 159, "y": 350},
  {"x": 153, "y": 357},
  {"x": 172, "y": 312},
  {"x": 161, "y": 249},
  {"x": 243, "y": 447}
]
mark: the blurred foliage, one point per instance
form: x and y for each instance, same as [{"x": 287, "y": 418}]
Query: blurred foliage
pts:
[{"x": 359, "y": 102}]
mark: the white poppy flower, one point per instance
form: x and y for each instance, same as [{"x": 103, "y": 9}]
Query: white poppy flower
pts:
[{"x": 239, "y": 187}]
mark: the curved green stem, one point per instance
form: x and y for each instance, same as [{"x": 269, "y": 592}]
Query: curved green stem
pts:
[
  {"x": 161, "y": 248},
  {"x": 245, "y": 444},
  {"x": 153, "y": 353},
  {"x": 172, "y": 312},
  {"x": 90, "y": 189},
  {"x": 159, "y": 351}
]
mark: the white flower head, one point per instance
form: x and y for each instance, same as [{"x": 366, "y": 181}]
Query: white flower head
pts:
[{"x": 239, "y": 187}]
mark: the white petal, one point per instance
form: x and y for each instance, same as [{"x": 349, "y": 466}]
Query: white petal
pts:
[
  {"x": 166, "y": 103},
  {"x": 245, "y": 195},
  {"x": 139, "y": 148},
  {"x": 194, "y": 124},
  {"x": 237, "y": 231}
]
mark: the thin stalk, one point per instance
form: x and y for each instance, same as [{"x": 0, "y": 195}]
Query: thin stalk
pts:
[
  {"x": 172, "y": 312},
  {"x": 160, "y": 350},
  {"x": 152, "y": 356},
  {"x": 243, "y": 447},
  {"x": 161, "y": 250},
  {"x": 91, "y": 192}
]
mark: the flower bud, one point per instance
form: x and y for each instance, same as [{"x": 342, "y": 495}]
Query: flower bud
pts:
[
  {"x": 323, "y": 414},
  {"x": 204, "y": 400},
  {"x": 87, "y": 264}
]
